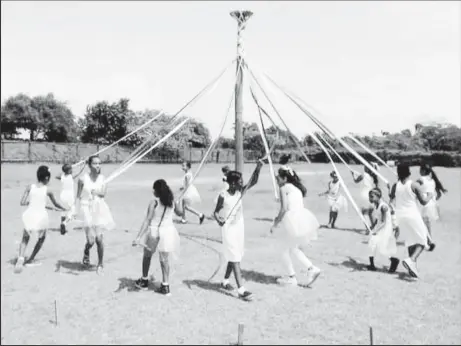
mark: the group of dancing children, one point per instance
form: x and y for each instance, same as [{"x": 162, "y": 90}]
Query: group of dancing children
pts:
[{"x": 295, "y": 225}]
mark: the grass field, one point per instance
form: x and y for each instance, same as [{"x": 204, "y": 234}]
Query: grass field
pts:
[{"x": 338, "y": 309}]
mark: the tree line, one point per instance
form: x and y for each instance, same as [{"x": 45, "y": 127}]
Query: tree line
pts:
[{"x": 46, "y": 118}]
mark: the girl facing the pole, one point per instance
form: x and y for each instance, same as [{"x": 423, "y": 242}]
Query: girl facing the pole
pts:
[
  {"x": 299, "y": 226},
  {"x": 335, "y": 199},
  {"x": 191, "y": 196},
  {"x": 382, "y": 239},
  {"x": 229, "y": 215},
  {"x": 158, "y": 232},
  {"x": 430, "y": 183},
  {"x": 35, "y": 217},
  {"x": 405, "y": 195},
  {"x": 97, "y": 217}
]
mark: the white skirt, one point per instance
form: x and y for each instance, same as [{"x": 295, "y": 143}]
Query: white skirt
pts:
[
  {"x": 412, "y": 228},
  {"x": 337, "y": 204},
  {"x": 430, "y": 210},
  {"x": 384, "y": 242},
  {"x": 68, "y": 201},
  {"x": 233, "y": 240},
  {"x": 169, "y": 240},
  {"x": 299, "y": 227},
  {"x": 192, "y": 196},
  {"x": 96, "y": 213},
  {"x": 35, "y": 219}
]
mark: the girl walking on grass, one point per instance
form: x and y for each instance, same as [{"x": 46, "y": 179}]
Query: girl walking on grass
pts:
[
  {"x": 299, "y": 226},
  {"x": 229, "y": 215},
  {"x": 35, "y": 217},
  {"x": 335, "y": 199},
  {"x": 382, "y": 238},
  {"x": 158, "y": 232},
  {"x": 405, "y": 195},
  {"x": 96, "y": 214},
  {"x": 67, "y": 196},
  {"x": 191, "y": 196},
  {"x": 368, "y": 181}
]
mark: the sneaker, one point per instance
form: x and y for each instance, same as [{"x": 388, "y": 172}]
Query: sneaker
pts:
[
  {"x": 19, "y": 266},
  {"x": 142, "y": 284},
  {"x": 184, "y": 221},
  {"x": 100, "y": 270},
  {"x": 63, "y": 229},
  {"x": 289, "y": 281},
  {"x": 312, "y": 275},
  {"x": 202, "y": 218},
  {"x": 32, "y": 263},
  {"x": 410, "y": 265},
  {"x": 227, "y": 287},
  {"x": 431, "y": 247},
  {"x": 86, "y": 260},
  {"x": 394, "y": 264},
  {"x": 165, "y": 290},
  {"x": 371, "y": 268},
  {"x": 247, "y": 296}
]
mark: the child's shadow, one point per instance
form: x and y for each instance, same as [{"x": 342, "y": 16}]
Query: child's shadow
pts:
[
  {"x": 73, "y": 268},
  {"x": 405, "y": 277},
  {"x": 206, "y": 285},
  {"x": 355, "y": 230},
  {"x": 351, "y": 263},
  {"x": 251, "y": 275},
  {"x": 129, "y": 285}
]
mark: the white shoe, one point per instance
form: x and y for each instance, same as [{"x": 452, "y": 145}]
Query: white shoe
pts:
[
  {"x": 289, "y": 281},
  {"x": 19, "y": 266},
  {"x": 410, "y": 265},
  {"x": 312, "y": 275}
]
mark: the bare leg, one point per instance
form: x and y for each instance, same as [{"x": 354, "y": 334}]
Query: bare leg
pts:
[
  {"x": 334, "y": 216},
  {"x": 89, "y": 244},
  {"x": 37, "y": 247},
  {"x": 237, "y": 274},
  {"x": 22, "y": 249},
  {"x": 146, "y": 260},
  {"x": 165, "y": 265},
  {"x": 100, "y": 247},
  {"x": 418, "y": 249},
  {"x": 228, "y": 271}
]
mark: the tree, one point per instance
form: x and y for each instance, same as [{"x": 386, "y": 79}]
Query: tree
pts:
[{"x": 18, "y": 113}]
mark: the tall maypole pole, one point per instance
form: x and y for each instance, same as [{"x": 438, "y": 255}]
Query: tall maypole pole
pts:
[{"x": 241, "y": 17}]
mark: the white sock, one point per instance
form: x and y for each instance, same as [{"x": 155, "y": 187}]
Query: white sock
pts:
[
  {"x": 165, "y": 283},
  {"x": 241, "y": 290},
  {"x": 225, "y": 282},
  {"x": 144, "y": 278}
]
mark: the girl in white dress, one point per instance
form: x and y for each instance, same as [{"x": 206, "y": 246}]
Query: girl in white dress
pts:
[
  {"x": 67, "y": 196},
  {"x": 335, "y": 199},
  {"x": 96, "y": 213},
  {"x": 368, "y": 181},
  {"x": 35, "y": 217},
  {"x": 191, "y": 196},
  {"x": 299, "y": 225},
  {"x": 229, "y": 215},
  {"x": 405, "y": 195},
  {"x": 382, "y": 239},
  {"x": 158, "y": 232},
  {"x": 430, "y": 183}
]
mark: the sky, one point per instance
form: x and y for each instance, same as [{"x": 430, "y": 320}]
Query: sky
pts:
[{"x": 362, "y": 66}]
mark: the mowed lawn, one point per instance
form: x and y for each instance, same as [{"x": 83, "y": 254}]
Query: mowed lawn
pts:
[{"x": 337, "y": 309}]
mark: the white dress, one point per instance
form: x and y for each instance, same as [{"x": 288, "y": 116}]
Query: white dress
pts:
[
  {"x": 367, "y": 184},
  {"x": 429, "y": 210},
  {"x": 384, "y": 241},
  {"x": 96, "y": 212},
  {"x": 336, "y": 201},
  {"x": 233, "y": 231},
  {"x": 35, "y": 217},
  {"x": 67, "y": 192},
  {"x": 162, "y": 227},
  {"x": 224, "y": 187},
  {"x": 299, "y": 224},
  {"x": 411, "y": 224},
  {"x": 191, "y": 196}
]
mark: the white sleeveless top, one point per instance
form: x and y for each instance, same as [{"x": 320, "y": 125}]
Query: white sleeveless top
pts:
[
  {"x": 232, "y": 202},
  {"x": 367, "y": 182},
  {"x": 405, "y": 198},
  {"x": 187, "y": 177},
  {"x": 67, "y": 183},
  {"x": 293, "y": 197},
  {"x": 163, "y": 216},
  {"x": 333, "y": 189},
  {"x": 89, "y": 185},
  {"x": 388, "y": 215},
  {"x": 37, "y": 197},
  {"x": 428, "y": 186}
]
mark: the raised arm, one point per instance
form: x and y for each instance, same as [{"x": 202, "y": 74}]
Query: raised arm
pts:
[
  {"x": 147, "y": 220},
  {"x": 25, "y": 196},
  {"x": 254, "y": 177}
]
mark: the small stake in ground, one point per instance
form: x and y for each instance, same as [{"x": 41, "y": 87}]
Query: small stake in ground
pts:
[
  {"x": 371, "y": 335},
  {"x": 240, "y": 335},
  {"x": 55, "y": 312}
]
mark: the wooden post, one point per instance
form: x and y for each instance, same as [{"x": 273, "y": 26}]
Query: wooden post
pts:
[
  {"x": 241, "y": 17},
  {"x": 371, "y": 335},
  {"x": 55, "y": 312},
  {"x": 240, "y": 334},
  {"x": 29, "y": 151}
]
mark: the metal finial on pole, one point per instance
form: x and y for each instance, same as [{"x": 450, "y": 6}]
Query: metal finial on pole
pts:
[{"x": 241, "y": 17}]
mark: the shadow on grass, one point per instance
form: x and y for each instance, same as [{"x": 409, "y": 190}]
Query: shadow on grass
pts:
[
  {"x": 206, "y": 285},
  {"x": 354, "y": 265},
  {"x": 263, "y": 219},
  {"x": 399, "y": 243},
  {"x": 73, "y": 268},
  {"x": 251, "y": 275},
  {"x": 129, "y": 285},
  {"x": 405, "y": 277},
  {"x": 194, "y": 237}
]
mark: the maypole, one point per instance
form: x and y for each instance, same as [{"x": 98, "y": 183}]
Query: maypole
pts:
[{"x": 241, "y": 17}]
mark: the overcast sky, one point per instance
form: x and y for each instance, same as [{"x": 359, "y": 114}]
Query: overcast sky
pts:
[{"x": 364, "y": 66}]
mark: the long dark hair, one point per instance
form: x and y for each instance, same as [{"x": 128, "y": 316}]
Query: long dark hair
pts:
[
  {"x": 292, "y": 178},
  {"x": 426, "y": 169},
  {"x": 403, "y": 171},
  {"x": 234, "y": 177},
  {"x": 164, "y": 193}
]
